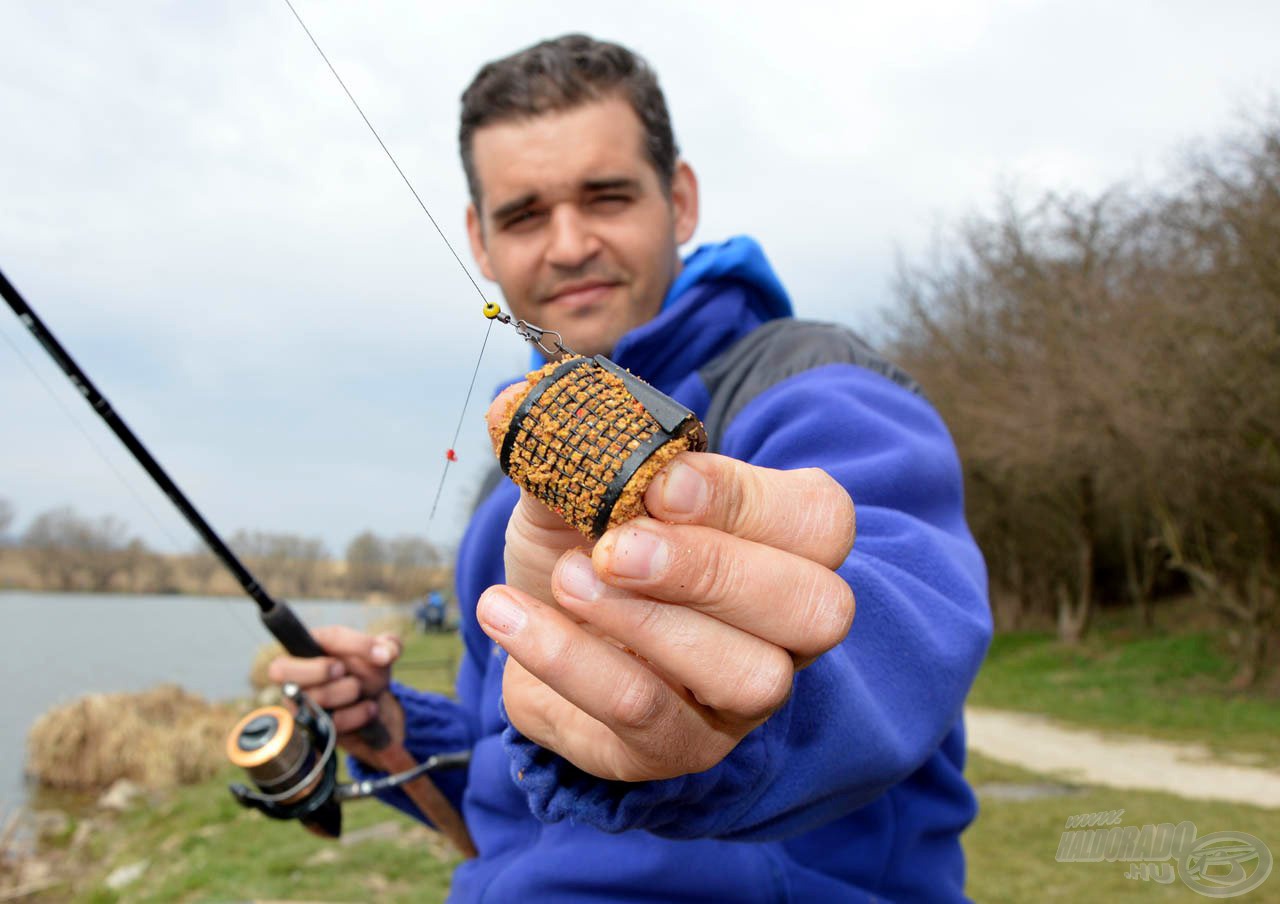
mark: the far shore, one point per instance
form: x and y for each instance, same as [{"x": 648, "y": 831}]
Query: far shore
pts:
[
  {"x": 135, "y": 571},
  {"x": 10, "y": 592}
]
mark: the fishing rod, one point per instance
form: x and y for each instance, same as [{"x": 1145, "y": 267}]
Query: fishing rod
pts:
[
  {"x": 279, "y": 619},
  {"x": 278, "y": 748},
  {"x": 274, "y": 753}
]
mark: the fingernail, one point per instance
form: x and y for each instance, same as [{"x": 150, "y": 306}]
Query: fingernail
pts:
[
  {"x": 500, "y": 612},
  {"x": 638, "y": 554},
  {"x": 578, "y": 578},
  {"x": 684, "y": 489},
  {"x": 337, "y": 670},
  {"x": 380, "y": 654}
]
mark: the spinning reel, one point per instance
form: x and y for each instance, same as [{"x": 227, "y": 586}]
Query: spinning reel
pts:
[{"x": 278, "y": 749}]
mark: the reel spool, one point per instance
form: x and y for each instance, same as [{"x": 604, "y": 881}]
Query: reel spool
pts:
[
  {"x": 587, "y": 437},
  {"x": 278, "y": 749}
]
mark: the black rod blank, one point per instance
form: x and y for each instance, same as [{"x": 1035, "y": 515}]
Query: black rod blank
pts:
[{"x": 276, "y": 615}]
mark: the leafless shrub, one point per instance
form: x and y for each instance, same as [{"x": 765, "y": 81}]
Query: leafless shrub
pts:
[
  {"x": 294, "y": 565},
  {"x": 403, "y": 567},
  {"x": 71, "y": 552},
  {"x": 1110, "y": 369}
]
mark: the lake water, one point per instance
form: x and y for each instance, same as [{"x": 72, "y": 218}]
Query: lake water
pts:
[{"x": 55, "y": 647}]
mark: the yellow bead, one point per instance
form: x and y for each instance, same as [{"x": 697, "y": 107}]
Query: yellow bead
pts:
[{"x": 491, "y": 309}]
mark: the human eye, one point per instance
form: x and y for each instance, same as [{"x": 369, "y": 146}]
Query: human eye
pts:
[
  {"x": 523, "y": 220},
  {"x": 610, "y": 202}
]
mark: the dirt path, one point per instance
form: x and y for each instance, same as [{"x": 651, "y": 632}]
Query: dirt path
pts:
[{"x": 1040, "y": 745}]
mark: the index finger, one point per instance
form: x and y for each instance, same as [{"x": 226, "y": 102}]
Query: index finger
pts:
[
  {"x": 349, "y": 651},
  {"x": 346, "y": 643},
  {"x": 304, "y": 672},
  {"x": 804, "y": 512}
]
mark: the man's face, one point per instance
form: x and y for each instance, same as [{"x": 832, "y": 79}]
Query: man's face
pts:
[{"x": 573, "y": 223}]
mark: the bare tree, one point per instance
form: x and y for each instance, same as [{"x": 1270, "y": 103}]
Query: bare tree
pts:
[
  {"x": 1010, "y": 338},
  {"x": 289, "y": 563},
  {"x": 367, "y": 559},
  {"x": 1108, "y": 367},
  {"x": 1222, "y": 524},
  {"x": 200, "y": 565},
  {"x": 308, "y": 556},
  {"x": 413, "y": 563},
  {"x": 69, "y": 551},
  {"x": 6, "y": 516}
]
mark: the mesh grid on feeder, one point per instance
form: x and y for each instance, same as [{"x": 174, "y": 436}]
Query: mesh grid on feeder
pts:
[{"x": 587, "y": 437}]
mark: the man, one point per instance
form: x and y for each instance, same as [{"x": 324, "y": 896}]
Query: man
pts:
[{"x": 682, "y": 712}]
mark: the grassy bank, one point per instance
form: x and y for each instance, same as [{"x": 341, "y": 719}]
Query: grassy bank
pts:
[
  {"x": 200, "y": 846},
  {"x": 197, "y": 844},
  {"x": 1011, "y": 847},
  {"x": 1161, "y": 684}
]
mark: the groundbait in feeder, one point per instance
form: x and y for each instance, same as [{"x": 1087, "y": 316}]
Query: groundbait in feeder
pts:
[{"x": 587, "y": 437}]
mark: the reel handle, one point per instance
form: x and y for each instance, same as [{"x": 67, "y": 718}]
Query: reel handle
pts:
[{"x": 293, "y": 635}]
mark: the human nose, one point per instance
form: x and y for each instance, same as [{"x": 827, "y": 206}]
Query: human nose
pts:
[{"x": 572, "y": 243}]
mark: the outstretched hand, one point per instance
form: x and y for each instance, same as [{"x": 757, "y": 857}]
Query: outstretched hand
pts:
[{"x": 654, "y": 653}]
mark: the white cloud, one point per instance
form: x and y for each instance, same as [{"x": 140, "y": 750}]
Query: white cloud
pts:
[{"x": 192, "y": 203}]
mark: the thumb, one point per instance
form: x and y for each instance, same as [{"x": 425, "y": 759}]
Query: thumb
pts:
[{"x": 500, "y": 411}]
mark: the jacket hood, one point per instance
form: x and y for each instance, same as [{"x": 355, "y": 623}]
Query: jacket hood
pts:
[
  {"x": 740, "y": 259},
  {"x": 718, "y": 284}
]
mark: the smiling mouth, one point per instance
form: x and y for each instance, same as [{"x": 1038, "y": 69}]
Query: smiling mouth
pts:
[{"x": 580, "y": 294}]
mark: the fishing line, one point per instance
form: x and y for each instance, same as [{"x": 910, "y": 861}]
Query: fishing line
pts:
[
  {"x": 385, "y": 150},
  {"x": 92, "y": 443},
  {"x": 492, "y": 312},
  {"x": 276, "y": 615},
  {"x": 384, "y": 753},
  {"x": 450, "y": 456},
  {"x": 176, "y": 546}
]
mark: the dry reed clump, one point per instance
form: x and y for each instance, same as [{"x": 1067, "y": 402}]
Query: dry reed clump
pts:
[
  {"x": 258, "y": 679},
  {"x": 158, "y": 738}
]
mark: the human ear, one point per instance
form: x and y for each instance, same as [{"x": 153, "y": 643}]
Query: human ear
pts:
[
  {"x": 684, "y": 202},
  {"x": 475, "y": 232}
]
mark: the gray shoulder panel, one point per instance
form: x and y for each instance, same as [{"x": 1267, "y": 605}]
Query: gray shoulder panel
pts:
[
  {"x": 776, "y": 351},
  {"x": 492, "y": 477}
]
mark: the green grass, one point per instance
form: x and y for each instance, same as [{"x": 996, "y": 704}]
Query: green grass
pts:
[
  {"x": 1170, "y": 685},
  {"x": 203, "y": 847},
  {"x": 430, "y": 661},
  {"x": 1012, "y": 845}
]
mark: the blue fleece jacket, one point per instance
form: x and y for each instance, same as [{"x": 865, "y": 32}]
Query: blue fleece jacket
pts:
[{"x": 853, "y": 790}]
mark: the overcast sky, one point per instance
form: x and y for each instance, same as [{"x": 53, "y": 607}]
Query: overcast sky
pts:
[{"x": 191, "y": 203}]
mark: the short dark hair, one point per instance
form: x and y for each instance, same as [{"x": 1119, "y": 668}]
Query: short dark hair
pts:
[{"x": 560, "y": 74}]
